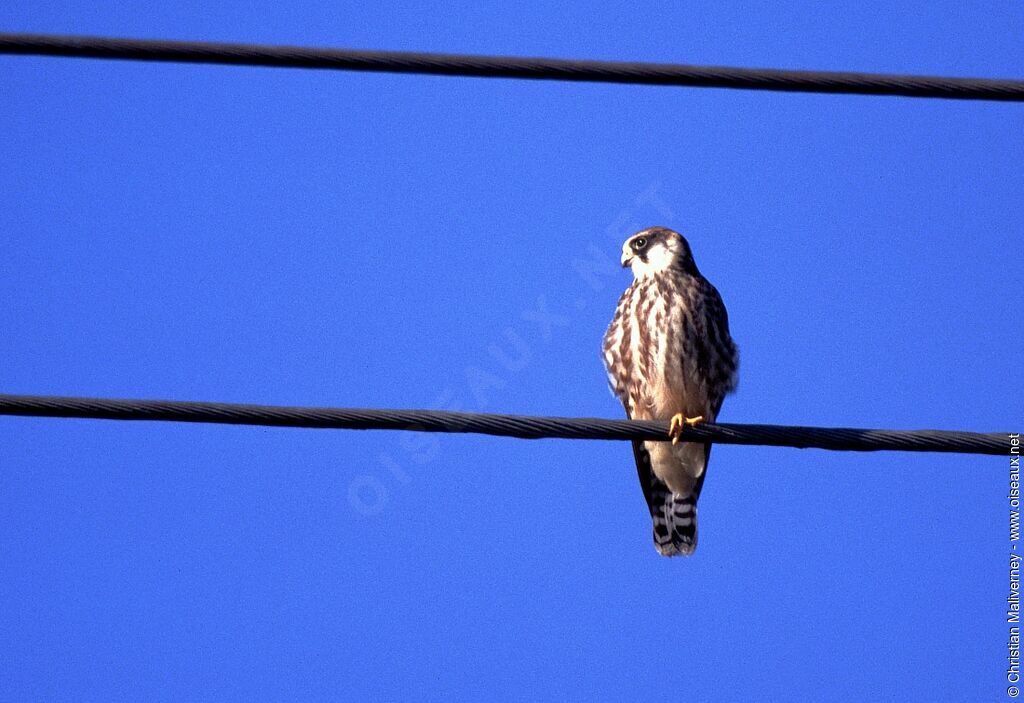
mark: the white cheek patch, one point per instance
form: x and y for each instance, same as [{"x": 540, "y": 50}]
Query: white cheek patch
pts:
[
  {"x": 659, "y": 258},
  {"x": 640, "y": 268}
]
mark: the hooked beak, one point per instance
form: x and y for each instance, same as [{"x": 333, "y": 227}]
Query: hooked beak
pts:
[{"x": 627, "y": 259}]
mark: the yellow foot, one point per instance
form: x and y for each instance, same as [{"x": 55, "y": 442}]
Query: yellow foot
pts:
[{"x": 679, "y": 421}]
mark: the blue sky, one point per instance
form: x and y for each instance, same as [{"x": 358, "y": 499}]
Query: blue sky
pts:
[{"x": 321, "y": 238}]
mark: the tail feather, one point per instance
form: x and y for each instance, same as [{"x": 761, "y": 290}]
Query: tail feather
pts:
[
  {"x": 674, "y": 514},
  {"x": 675, "y": 522}
]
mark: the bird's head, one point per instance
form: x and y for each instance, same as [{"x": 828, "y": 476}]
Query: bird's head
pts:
[{"x": 657, "y": 249}]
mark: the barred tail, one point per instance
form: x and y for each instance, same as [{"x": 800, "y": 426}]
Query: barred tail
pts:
[
  {"x": 674, "y": 514},
  {"x": 675, "y": 522}
]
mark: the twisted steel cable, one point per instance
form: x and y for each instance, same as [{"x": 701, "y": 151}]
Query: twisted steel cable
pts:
[
  {"x": 520, "y": 426},
  {"x": 514, "y": 67}
]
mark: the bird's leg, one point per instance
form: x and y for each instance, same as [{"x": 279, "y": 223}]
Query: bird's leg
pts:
[{"x": 678, "y": 422}]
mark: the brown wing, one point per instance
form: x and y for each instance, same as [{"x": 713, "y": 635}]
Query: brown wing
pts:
[
  {"x": 649, "y": 483},
  {"x": 644, "y": 472}
]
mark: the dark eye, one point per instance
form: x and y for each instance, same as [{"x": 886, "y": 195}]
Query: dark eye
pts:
[{"x": 639, "y": 244}]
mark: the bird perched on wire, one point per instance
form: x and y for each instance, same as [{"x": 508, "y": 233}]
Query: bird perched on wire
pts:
[{"x": 669, "y": 356}]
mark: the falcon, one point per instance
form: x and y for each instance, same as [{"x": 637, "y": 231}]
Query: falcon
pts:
[{"x": 669, "y": 356}]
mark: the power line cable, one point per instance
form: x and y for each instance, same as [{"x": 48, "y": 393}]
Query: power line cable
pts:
[
  {"x": 514, "y": 67},
  {"x": 520, "y": 426}
]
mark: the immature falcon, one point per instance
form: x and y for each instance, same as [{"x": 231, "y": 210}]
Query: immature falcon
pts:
[{"x": 669, "y": 355}]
